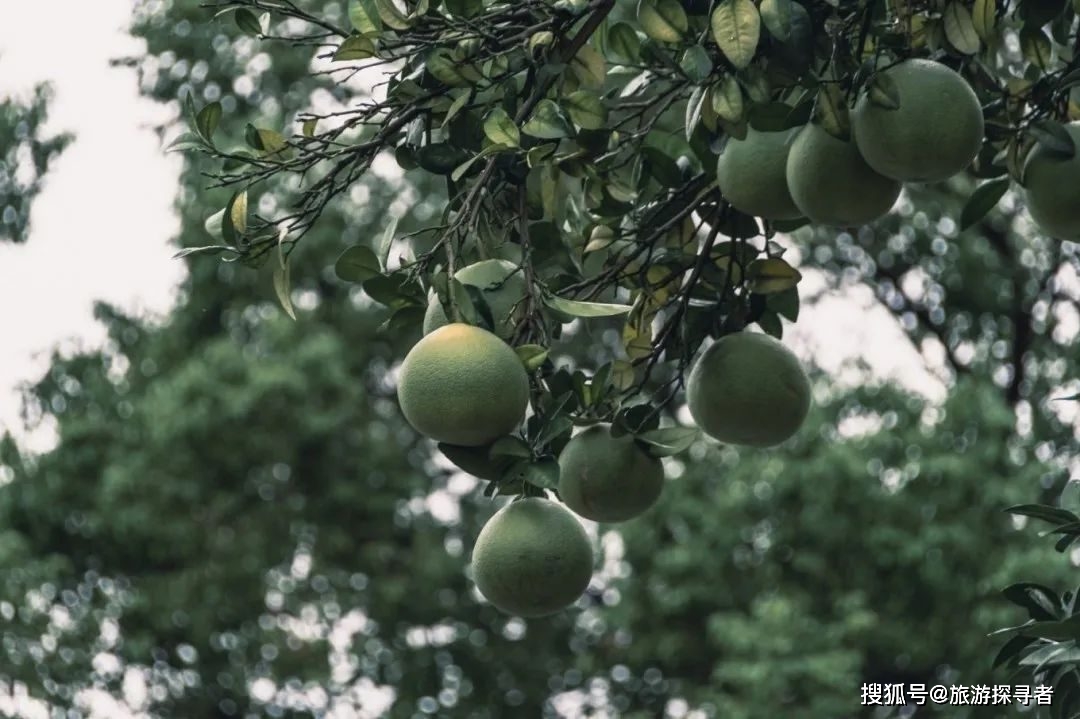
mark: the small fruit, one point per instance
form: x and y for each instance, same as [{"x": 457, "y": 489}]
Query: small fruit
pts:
[
  {"x": 831, "y": 183},
  {"x": 1052, "y": 189},
  {"x": 752, "y": 175},
  {"x": 532, "y": 558},
  {"x": 608, "y": 479},
  {"x": 504, "y": 289},
  {"x": 463, "y": 385},
  {"x": 748, "y": 388},
  {"x": 935, "y": 132}
]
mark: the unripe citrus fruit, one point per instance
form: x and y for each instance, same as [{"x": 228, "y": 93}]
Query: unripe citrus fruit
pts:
[
  {"x": 1052, "y": 189},
  {"x": 750, "y": 389},
  {"x": 936, "y": 132},
  {"x": 532, "y": 558},
  {"x": 752, "y": 176},
  {"x": 831, "y": 183},
  {"x": 504, "y": 288},
  {"x": 463, "y": 385},
  {"x": 608, "y": 479}
]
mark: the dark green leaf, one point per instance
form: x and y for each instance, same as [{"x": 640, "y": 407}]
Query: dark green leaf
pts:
[
  {"x": 982, "y": 200},
  {"x": 357, "y": 264},
  {"x": 668, "y": 441},
  {"x": 246, "y": 21}
]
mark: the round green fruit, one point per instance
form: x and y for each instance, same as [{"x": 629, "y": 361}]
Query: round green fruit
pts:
[
  {"x": 748, "y": 388},
  {"x": 935, "y": 132},
  {"x": 831, "y": 183},
  {"x": 1052, "y": 189},
  {"x": 752, "y": 175},
  {"x": 504, "y": 289},
  {"x": 608, "y": 479},
  {"x": 463, "y": 385},
  {"x": 532, "y": 558}
]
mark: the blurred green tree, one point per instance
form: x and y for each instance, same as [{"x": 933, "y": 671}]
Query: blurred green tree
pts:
[{"x": 25, "y": 156}]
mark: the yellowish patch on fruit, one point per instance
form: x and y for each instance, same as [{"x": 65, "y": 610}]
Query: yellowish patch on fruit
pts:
[
  {"x": 831, "y": 183},
  {"x": 936, "y": 132},
  {"x": 532, "y": 558},
  {"x": 748, "y": 388},
  {"x": 752, "y": 175},
  {"x": 608, "y": 479},
  {"x": 463, "y": 385},
  {"x": 1052, "y": 189},
  {"x": 503, "y": 285}
]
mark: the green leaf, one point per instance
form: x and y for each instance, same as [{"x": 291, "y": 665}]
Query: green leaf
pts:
[
  {"x": 577, "y": 308},
  {"x": 207, "y": 120},
  {"x": 267, "y": 142},
  {"x": 387, "y": 241},
  {"x": 1053, "y": 137},
  {"x": 464, "y": 8},
  {"x": 532, "y": 356},
  {"x": 391, "y": 16},
  {"x": 457, "y": 105},
  {"x": 695, "y": 106},
  {"x": 543, "y": 474},
  {"x": 883, "y": 92},
  {"x": 440, "y": 158},
  {"x": 960, "y": 29},
  {"x": 662, "y": 20},
  {"x": 727, "y": 99},
  {"x": 785, "y": 304},
  {"x": 1041, "y": 602},
  {"x": 477, "y": 461},
  {"x": 1036, "y": 47},
  {"x": 832, "y": 113},
  {"x": 281, "y": 289},
  {"x": 589, "y": 68},
  {"x": 234, "y": 219},
  {"x": 777, "y": 17},
  {"x": 982, "y": 200},
  {"x": 668, "y": 441},
  {"x": 624, "y": 43},
  {"x": 308, "y": 128},
  {"x": 463, "y": 168},
  {"x": 770, "y": 322},
  {"x": 246, "y": 21},
  {"x": 365, "y": 18},
  {"x": 186, "y": 141},
  {"x": 771, "y": 275},
  {"x": 442, "y": 66},
  {"x": 1011, "y": 648},
  {"x": 500, "y": 128},
  {"x": 1053, "y": 655},
  {"x": 355, "y": 47},
  {"x": 736, "y": 27},
  {"x": 696, "y": 63},
  {"x": 204, "y": 250},
  {"x": 984, "y": 18},
  {"x": 1036, "y": 13},
  {"x": 586, "y": 109},
  {"x": 357, "y": 264},
  {"x": 548, "y": 122},
  {"x": 1064, "y": 399},
  {"x": 509, "y": 446},
  {"x": 1045, "y": 512}
]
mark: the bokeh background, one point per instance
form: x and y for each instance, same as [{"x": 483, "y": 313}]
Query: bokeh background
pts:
[{"x": 209, "y": 510}]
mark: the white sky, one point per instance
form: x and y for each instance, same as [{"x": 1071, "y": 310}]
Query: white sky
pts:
[{"x": 101, "y": 228}]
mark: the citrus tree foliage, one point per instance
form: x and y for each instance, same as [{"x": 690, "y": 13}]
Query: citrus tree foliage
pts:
[
  {"x": 25, "y": 159},
  {"x": 579, "y": 141}
]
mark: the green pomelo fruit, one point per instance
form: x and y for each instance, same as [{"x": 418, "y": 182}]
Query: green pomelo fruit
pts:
[
  {"x": 608, "y": 479},
  {"x": 752, "y": 175},
  {"x": 831, "y": 183},
  {"x": 936, "y": 132},
  {"x": 748, "y": 388},
  {"x": 532, "y": 558},
  {"x": 504, "y": 289},
  {"x": 1052, "y": 189},
  {"x": 463, "y": 385}
]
